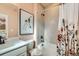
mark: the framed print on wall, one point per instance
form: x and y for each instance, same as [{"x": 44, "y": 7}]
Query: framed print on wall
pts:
[
  {"x": 3, "y": 25},
  {"x": 26, "y": 22}
]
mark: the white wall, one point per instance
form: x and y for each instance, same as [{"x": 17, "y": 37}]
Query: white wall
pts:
[
  {"x": 39, "y": 23},
  {"x": 51, "y": 24}
]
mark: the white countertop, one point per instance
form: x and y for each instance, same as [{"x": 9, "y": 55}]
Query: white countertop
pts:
[{"x": 12, "y": 44}]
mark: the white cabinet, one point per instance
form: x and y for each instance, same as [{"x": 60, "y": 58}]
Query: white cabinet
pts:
[{"x": 18, "y": 52}]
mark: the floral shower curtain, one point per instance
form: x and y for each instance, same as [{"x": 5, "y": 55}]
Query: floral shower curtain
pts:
[{"x": 67, "y": 31}]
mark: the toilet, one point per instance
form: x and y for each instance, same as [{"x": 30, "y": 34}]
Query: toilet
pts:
[{"x": 37, "y": 51}]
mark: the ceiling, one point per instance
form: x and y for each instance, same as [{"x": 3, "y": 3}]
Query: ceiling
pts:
[{"x": 45, "y": 5}]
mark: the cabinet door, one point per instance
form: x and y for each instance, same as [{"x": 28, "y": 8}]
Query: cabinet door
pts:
[
  {"x": 22, "y": 54},
  {"x": 17, "y": 52}
]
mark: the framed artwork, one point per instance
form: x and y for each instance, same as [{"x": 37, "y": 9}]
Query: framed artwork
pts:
[
  {"x": 26, "y": 22},
  {"x": 3, "y": 25}
]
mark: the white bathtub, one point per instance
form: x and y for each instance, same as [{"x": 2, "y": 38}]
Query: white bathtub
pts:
[{"x": 47, "y": 50}]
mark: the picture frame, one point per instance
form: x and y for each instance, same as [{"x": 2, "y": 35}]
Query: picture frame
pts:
[
  {"x": 3, "y": 25},
  {"x": 26, "y": 22}
]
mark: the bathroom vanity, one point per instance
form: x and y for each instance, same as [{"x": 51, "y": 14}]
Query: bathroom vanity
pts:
[{"x": 14, "y": 47}]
